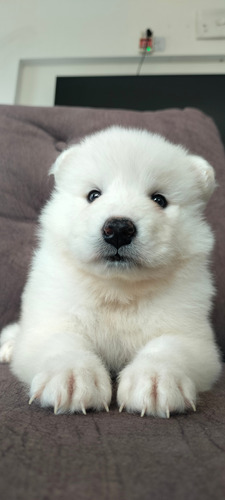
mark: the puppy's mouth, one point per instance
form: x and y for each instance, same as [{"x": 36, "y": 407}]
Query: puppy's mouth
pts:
[
  {"x": 120, "y": 260},
  {"x": 116, "y": 258}
]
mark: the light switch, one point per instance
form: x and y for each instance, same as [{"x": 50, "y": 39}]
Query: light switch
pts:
[{"x": 210, "y": 23}]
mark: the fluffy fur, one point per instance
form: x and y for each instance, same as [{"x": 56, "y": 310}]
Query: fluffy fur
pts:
[{"x": 144, "y": 315}]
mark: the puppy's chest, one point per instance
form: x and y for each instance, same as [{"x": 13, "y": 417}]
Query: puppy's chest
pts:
[{"x": 117, "y": 334}]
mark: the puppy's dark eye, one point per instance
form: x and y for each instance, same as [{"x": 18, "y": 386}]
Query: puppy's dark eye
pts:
[
  {"x": 160, "y": 200},
  {"x": 93, "y": 195}
]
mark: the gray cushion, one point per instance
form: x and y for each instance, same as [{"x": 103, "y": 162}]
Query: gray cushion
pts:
[{"x": 110, "y": 456}]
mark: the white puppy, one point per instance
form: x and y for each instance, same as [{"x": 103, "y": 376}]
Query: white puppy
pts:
[{"x": 120, "y": 281}]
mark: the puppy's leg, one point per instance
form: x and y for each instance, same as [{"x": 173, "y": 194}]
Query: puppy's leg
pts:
[
  {"x": 7, "y": 342},
  {"x": 64, "y": 373},
  {"x": 167, "y": 375}
]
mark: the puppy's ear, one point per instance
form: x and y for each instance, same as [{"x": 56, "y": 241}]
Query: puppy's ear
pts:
[
  {"x": 62, "y": 161},
  {"x": 206, "y": 176}
]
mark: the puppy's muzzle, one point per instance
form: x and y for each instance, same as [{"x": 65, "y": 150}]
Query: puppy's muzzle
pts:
[{"x": 118, "y": 231}]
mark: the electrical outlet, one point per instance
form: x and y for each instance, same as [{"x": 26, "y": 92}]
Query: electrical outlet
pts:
[
  {"x": 146, "y": 44},
  {"x": 154, "y": 44},
  {"x": 211, "y": 24}
]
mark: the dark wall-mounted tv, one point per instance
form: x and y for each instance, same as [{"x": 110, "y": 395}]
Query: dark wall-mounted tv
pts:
[{"x": 147, "y": 92}]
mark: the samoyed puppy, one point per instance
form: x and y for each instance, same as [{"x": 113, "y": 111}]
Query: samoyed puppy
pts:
[{"x": 120, "y": 283}]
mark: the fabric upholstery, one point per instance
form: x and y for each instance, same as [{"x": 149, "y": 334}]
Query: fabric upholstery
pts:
[
  {"x": 99, "y": 456},
  {"x": 110, "y": 456}
]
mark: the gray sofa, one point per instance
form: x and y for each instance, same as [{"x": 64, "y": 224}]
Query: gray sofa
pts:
[{"x": 104, "y": 456}]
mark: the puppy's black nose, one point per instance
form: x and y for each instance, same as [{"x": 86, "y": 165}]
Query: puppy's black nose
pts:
[{"x": 118, "y": 231}]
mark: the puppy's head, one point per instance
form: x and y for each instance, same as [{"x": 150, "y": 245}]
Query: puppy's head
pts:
[{"x": 129, "y": 203}]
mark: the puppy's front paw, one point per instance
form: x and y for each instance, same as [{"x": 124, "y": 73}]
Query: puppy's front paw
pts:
[
  {"x": 73, "y": 389},
  {"x": 155, "y": 390}
]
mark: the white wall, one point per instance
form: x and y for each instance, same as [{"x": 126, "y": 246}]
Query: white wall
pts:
[{"x": 42, "y": 37}]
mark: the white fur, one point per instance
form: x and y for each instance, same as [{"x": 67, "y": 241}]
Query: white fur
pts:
[{"x": 145, "y": 319}]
